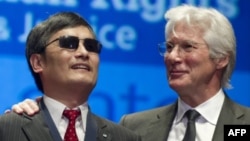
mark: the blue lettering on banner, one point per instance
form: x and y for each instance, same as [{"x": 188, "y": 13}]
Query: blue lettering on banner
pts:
[
  {"x": 111, "y": 36},
  {"x": 148, "y": 10},
  {"x": 114, "y": 36},
  {"x": 4, "y": 29},
  {"x": 64, "y": 3},
  {"x": 117, "y": 23},
  {"x": 28, "y": 25},
  {"x": 154, "y": 11}
]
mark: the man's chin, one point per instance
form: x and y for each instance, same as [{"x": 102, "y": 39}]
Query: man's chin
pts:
[{"x": 176, "y": 85}]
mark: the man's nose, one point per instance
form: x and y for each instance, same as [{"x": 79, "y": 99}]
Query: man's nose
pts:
[{"x": 81, "y": 50}]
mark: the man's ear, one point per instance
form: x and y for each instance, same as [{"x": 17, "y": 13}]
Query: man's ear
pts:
[
  {"x": 36, "y": 61},
  {"x": 222, "y": 62}
]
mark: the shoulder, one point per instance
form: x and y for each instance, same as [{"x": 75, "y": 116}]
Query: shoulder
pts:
[
  {"x": 229, "y": 103},
  {"x": 148, "y": 114},
  {"x": 10, "y": 117},
  {"x": 11, "y": 121},
  {"x": 241, "y": 108},
  {"x": 241, "y": 112}
]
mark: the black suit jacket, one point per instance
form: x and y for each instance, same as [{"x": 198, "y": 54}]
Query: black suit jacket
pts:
[
  {"x": 14, "y": 127},
  {"x": 155, "y": 124}
]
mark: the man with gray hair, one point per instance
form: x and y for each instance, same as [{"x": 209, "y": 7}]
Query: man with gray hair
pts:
[{"x": 199, "y": 54}]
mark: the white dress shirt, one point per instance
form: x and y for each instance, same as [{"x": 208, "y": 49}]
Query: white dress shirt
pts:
[
  {"x": 205, "y": 124},
  {"x": 56, "y": 109}
]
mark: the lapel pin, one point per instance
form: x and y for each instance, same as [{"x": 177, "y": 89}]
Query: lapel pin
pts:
[{"x": 105, "y": 135}]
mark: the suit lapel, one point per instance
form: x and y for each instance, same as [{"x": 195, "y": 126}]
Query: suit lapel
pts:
[
  {"x": 91, "y": 128},
  {"x": 42, "y": 126},
  {"x": 103, "y": 133},
  {"x": 96, "y": 129},
  {"x": 230, "y": 114},
  {"x": 155, "y": 129},
  {"x": 36, "y": 129}
]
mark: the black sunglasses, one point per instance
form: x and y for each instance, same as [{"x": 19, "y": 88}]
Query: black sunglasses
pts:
[{"x": 72, "y": 42}]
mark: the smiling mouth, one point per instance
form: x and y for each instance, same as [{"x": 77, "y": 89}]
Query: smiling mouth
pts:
[
  {"x": 81, "y": 66},
  {"x": 176, "y": 73}
]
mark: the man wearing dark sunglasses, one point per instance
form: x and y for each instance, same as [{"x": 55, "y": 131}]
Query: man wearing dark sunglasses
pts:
[{"x": 63, "y": 57}]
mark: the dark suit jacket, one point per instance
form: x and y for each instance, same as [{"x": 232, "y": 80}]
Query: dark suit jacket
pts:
[
  {"x": 155, "y": 124},
  {"x": 15, "y": 127}
]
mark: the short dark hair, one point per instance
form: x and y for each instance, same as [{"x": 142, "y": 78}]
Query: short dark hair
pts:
[{"x": 40, "y": 34}]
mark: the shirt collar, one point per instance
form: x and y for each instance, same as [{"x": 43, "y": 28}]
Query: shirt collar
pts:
[
  {"x": 56, "y": 109},
  {"x": 209, "y": 109}
]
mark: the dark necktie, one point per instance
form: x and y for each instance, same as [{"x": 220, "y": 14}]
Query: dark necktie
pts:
[
  {"x": 70, "y": 134},
  {"x": 191, "y": 131}
]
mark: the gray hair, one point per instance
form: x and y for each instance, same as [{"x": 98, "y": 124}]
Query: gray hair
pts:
[{"x": 218, "y": 33}]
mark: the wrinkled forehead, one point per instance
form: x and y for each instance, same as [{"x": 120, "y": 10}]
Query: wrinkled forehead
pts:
[{"x": 184, "y": 31}]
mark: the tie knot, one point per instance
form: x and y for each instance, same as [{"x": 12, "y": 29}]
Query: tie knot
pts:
[
  {"x": 192, "y": 115},
  {"x": 71, "y": 114}
]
